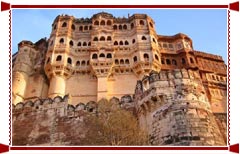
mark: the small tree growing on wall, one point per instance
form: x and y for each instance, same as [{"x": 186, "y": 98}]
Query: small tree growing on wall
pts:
[{"x": 112, "y": 125}]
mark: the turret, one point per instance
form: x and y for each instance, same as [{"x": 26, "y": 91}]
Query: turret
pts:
[
  {"x": 174, "y": 106},
  {"x": 28, "y": 68}
]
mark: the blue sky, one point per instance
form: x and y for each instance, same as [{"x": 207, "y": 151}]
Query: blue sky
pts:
[{"x": 206, "y": 27}]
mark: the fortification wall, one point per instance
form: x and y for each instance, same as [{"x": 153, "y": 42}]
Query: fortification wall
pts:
[
  {"x": 49, "y": 122},
  {"x": 174, "y": 108},
  {"x": 55, "y": 121}
]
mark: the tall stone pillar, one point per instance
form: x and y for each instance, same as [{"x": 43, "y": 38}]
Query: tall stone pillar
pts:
[
  {"x": 102, "y": 88},
  {"x": 57, "y": 86}
]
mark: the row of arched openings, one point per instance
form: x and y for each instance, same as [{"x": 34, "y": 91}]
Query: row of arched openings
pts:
[
  {"x": 71, "y": 43},
  {"x": 174, "y": 62},
  {"x": 102, "y": 38},
  {"x": 73, "y": 27},
  {"x": 69, "y": 61},
  {"x": 103, "y": 23},
  {"x": 102, "y": 55},
  {"x": 122, "y": 61}
]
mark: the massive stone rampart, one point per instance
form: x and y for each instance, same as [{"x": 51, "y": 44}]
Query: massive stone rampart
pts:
[{"x": 174, "y": 108}]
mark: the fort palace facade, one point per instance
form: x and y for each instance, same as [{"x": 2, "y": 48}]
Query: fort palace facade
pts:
[{"x": 176, "y": 90}]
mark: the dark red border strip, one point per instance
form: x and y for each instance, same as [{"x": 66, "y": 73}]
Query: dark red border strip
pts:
[
  {"x": 119, "y": 6},
  {"x": 228, "y": 73},
  {"x": 232, "y": 148},
  {"x": 231, "y": 6},
  {"x": 119, "y": 148},
  {"x": 10, "y": 76}
]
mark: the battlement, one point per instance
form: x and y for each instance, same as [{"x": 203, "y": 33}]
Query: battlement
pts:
[
  {"x": 170, "y": 75},
  {"x": 125, "y": 102}
]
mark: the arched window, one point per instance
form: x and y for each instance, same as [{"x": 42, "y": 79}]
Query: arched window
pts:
[
  {"x": 89, "y": 43},
  {"x": 126, "y": 43},
  {"x": 69, "y": 60},
  {"x": 135, "y": 58},
  {"x": 156, "y": 57},
  {"x": 95, "y": 39},
  {"x": 121, "y": 61},
  {"x": 121, "y": 43},
  {"x": 96, "y": 22},
  {"x": 168, "y": 62},
  {"x": 73, "y": 27},
  {"x": 90, "y": 27},
  {"x": 59, "y": 58},
  {"x": 88, "y": 62},
  {"x": 94, "y": 56},
  {"x": 79, "y": 44},
  {"x": 125, "y": 27},
  {"x": 85, "y": 27},
  {"x": 109, "y": 55},
  {"x": 55, "y": 26},
  {"x": 120, "y": 27},
  {"x": 109, "y": 23},
  {"x": 154, "y": 40},
  {"x": 116, "y": 61},
  {"x": 61, "y": 41},
  {"x": 102, "y": 55},
  {"x": 133, "y": 41},
  {"x": 84, "y": 43},
  {"x": 162, "y": 61},
  {"x": 102, "y": 23},
  {"x": 126, "y": 61},
  {"x": 213, "y": 77},
  {"x": 144, "y": 38},
  {"x": 191, "y": 60},
  {"x": 183, "y": 61},
  {"x": 81, "y": 28},
  {"x": 141, "y": 22},
  {"x": 132, "y": 25},
  {"x": 146, "y": 57},
  {"x": 78, "y": 63},
  {"x": 115, "y": 27},
  {"x": 71, "y": 43},
  {"x": 109, "y": 38},
  {"x": 174, "y": 62},
  {"x": 83, "y": 63},
  {"x": 151, "y": 24},
  {"x": 48, "y": 60},
  {"x": 115, "y": 43},
  {"x": 102, "y": 38},
  {"x": 64, "y": 24}
]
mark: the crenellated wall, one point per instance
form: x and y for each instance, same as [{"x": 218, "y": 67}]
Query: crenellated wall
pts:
[
  {"x": 55, "y": 121},
  {"x": 174, "y": 108}
]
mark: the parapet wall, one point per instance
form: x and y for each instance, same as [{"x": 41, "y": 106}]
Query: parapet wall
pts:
[{"x": 55, "y": 121}]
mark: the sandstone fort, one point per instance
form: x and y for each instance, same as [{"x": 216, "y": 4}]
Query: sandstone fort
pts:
[{"x": 178, "y": 94}]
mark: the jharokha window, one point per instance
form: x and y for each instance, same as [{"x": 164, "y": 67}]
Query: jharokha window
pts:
[
  {"x": 64, "y": 24},
  {"x": 59, "y": 58},
  {"x": 69, "y": 61},
  {"x": 94, "y": 56}
]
